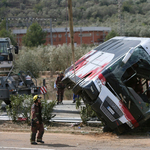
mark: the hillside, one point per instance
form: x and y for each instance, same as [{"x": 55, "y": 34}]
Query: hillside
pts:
[{"x": 134, "y": 14}]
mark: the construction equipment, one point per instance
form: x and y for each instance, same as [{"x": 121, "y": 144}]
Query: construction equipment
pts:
[{"x": 12, "y": 84}]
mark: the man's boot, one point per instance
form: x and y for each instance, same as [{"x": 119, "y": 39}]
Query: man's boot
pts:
[
  {"x": 39, "y": 137},
  {"x": 57, "y": 99},
  {"x": 33, "y": 138},
  {"x": 61, "y": 99},
  {"x": 40, "y": 141}
]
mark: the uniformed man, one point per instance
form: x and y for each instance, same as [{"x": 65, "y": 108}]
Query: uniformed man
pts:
[
  {"x": 60, "y": 88},
  {"x": 36, "y": 120}
]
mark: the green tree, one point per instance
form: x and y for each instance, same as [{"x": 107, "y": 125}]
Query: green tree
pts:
[
  {"x": 4, "y": 2},
  {"x": 104, "y": 2},
  {"x": 38, "y": 7},
  {"x": 3, "y": 12},
  {"x": 143, "y": 1},
  {"x": 3, "y": 24},
  {"x": 128, "y": 6},
  {"x": 35, "y": 36},
  {"x": 5, "y": 33},
  {"x": 111, "y": 35}
]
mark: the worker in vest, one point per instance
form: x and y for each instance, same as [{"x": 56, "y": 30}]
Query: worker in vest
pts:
[
  {"x": 28, "y": 80},
  {"x": 60, "y": 88},
  {"x": 36, "y": 120}
]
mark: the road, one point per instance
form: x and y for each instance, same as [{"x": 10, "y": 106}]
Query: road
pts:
[
  {"x": 56, "y": 141},
  {"x": 65, "y": 112}
]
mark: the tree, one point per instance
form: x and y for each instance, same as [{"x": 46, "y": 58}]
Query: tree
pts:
[
  {"x": 104, "y": 2},
  {"x": 3, "y": 24},
  {"x": 111, "y": 35},
  {"x": 38, "y": 7},
  {"x": 128, "y": 6},
  {"x": 5, "y": 33},
  {"x": 4, "y": 2},
  {"x": 35, "y": 36},
  {"x": 143, "y": 1}
]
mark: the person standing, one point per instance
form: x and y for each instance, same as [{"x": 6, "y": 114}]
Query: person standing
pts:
[
  {"x": 60, "y": 88},
  {"x": 75, "y": 97},
  {"x": 36, "y": 120}
]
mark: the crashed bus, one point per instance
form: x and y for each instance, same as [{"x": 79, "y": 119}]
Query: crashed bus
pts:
[{"x": 114, "y": 79}]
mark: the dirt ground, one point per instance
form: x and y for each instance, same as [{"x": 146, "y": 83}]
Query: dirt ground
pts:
[
  {"x": 75, "y": 137},
  {"x": 80, "y": 136},
  {"x": 54, "y": 127},
  {"x": 78, "y": 128}
]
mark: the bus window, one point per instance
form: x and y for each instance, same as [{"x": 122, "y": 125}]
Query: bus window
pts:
[
  {"x": 3, "y": 48},
  {"x": 137, "y": 80}
]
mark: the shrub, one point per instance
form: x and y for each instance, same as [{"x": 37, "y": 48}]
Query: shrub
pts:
[
  {"x": 28, "y": 60},
  {"x": 43, "y": 58},
  {"x": 21, "y": 107},
  {"x": 47, "y": 110},
  {"x": 86, "y": 111}
]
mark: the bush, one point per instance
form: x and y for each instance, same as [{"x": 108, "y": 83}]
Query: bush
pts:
[
  {"x": 86, "y": 111},
  {"x": 28, "y": 61},
  {"x": 43, "y": 58},
  {"x": 21, "y": 107},
  {"x": 47, "y": 110}
]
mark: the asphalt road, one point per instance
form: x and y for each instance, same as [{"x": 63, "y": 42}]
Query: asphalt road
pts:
[{"x": 65, "y": 112}]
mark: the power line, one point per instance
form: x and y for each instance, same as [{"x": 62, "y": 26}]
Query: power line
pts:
[{"x": 13, "y": 22}]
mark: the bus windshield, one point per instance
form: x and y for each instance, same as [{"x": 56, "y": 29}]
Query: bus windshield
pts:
[
  {"x": 133, "y": 80},
  {"x": 136, "y": 77}
]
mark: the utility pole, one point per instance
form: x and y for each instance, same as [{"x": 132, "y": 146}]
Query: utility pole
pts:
[
  {"x": 119, "y": 18},
  {"x": 66, "y": 35},
  {"x": 7, "y": 24},
  {"x": 93, "y": 37},
  {"x": 28, "y": 21},
  {"x": 103, "y": 35},
  {"x": 71, "y": 33},
  {"x": 51, "y": 31},
  {"x": 80, "y": 36},
  {"x": 66, "y": 24}
]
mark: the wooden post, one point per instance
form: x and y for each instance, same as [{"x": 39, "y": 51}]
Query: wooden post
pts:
[{"x": 71, "y": 33}]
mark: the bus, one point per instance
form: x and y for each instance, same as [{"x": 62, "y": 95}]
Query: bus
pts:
[{"x": 114, "y": 79}]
